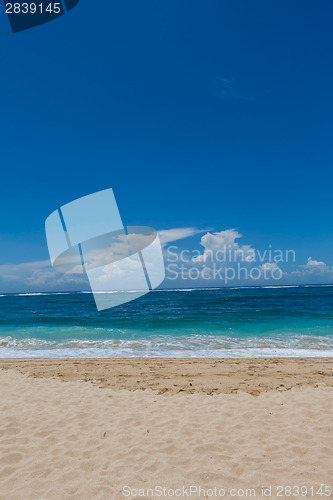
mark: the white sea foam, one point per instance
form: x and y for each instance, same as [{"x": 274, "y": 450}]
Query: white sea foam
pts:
[
  {"x": 41, "y": 293},
  {"x": 280, "y": 286},
  {"x": 28, "y": 294},
  {"x": 98, "y": 353},
  {"x": 207, "y": 346}
]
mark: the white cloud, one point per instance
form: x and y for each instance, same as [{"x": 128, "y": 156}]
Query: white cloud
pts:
[
  {"x": 40, "y": 276},
  {"x": 37, "y": 276},
  {"x": 313, "y": 272},
  {"x": 225, "y": 258},
  {"x": 179, "y": 233},
  {"x": 315, "y": 264},
  {"x": 224, "y": 241},
  {"x": 269, "y": 266},
  {"x": 270, "y": 271}
]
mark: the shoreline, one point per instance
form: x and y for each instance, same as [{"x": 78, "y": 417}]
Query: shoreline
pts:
[{"x": 183, "y": 375}]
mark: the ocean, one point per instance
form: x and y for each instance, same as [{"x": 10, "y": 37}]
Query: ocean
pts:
[{"x": 213, "y": 323}]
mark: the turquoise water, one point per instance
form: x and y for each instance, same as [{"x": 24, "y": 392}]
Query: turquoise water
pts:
[{"x": 239, "y": 322}]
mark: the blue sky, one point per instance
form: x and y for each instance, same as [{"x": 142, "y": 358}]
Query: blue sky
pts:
[{"x": 211, "y": 115}]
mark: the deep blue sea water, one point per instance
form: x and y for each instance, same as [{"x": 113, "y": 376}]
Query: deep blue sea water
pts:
[{"x": 239, "y": 322}]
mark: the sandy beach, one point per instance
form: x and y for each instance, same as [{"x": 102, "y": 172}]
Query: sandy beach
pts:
[{"x": 104, "y": 429}]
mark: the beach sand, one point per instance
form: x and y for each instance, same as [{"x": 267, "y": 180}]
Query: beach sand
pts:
[{"x": 85, "y": 429}]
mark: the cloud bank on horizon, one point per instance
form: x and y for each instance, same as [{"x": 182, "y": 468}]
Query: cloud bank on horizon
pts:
[{"x": 221, "y": 261}]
